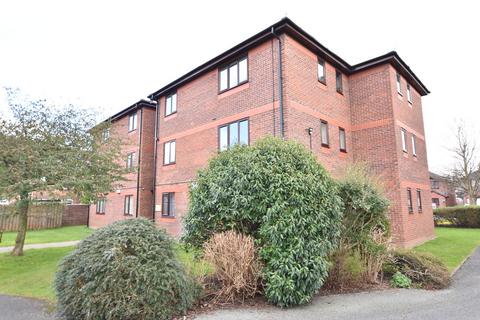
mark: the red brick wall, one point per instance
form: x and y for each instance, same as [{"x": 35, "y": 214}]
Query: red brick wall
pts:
[
  {"x": 75, "y": 215},
  {"x": 194, "y": 127},
  {"x": 114, "y": 207}
]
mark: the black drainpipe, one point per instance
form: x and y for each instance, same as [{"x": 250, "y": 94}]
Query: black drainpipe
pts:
[
  {"x": 138, "y": 161},
  {"x": 155, "y": 161},
  {"x": 280, "y": 83}
]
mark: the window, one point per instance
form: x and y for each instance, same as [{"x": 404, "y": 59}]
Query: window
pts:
[
  {"x": 434, "y": 184},
  {"x": 101, "y": 206},
  {"x": 322, "y": 77},
  {"x": 169, "y": 152},
  {"x": 414, "y": 145},
  {"x": 419, "y": 200},
  {"x": 132, "y": 122},
  {"x": 338, "y": 77},
  {"x": 130, "y": 161},
  {"x": 409, "y": 93},
  {"x": 324, "y": 133},
  {"x": 404, "y": 140},
  {"x": 399, "y": 84},
  {"x": 232, "y": 134},
  {"x": 171, "y": 104},
  {"x": 435, "y": 203},
  {"x": 128, "y": 208},
  {"x": 234, "y": 74},
  {"x": 105, "y": 134},
  {"x": 168, "y": 204},
  {"x": 409, "y": 200},
  {"x": 343, "y": 142}
]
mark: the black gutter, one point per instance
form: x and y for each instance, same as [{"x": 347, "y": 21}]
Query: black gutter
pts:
[
  {"x": 155, "y": 162},
  {"x": 138, "y": 161},
  {"x": 280, "y": 83}
]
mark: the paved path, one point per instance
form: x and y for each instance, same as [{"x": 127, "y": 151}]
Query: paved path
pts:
[
  {"x": 16, "y": 308},
  {"x": 460, "y": 301},
  {"x": 43, "y": 246}
]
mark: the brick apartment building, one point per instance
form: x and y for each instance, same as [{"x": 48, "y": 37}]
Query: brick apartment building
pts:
[{"x": 280, "y": 82}]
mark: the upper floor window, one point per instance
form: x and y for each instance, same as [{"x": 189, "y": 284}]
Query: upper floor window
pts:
[
  {"x": 234, "y": 74},
  {"x": 414, "y": 145},
  {"x": 399, "y": 84},
  {"x": 100, "y": 206},
  {"x": 409, "y": 200},
  {"x": 132, "y": 121},
  {"x": 168, "y": 204},
  {"x": 404, "y": 140},
  {"x": 105, "y": 134},
  {"x": 343, "y": 140},
  {"x": 171, "y": 104},
  {"x": 434, "y": 184},
  {"x": 128, "y": 205},
  {"x": 419, "y": 200},
  {"x": 409, "y": 93},
  {"x": 324, "y": 133},
  {"x": 338, "y": 77},
  {"x": 169, "y": 152},
  {"x": 233, "y": 133},
  {"x": 130, "y": 161},
  {"x": 322, "y": 76}
]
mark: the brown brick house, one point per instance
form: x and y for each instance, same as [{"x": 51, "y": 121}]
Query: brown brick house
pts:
[
  {"x": 282, "y": 82},
  {"x": 443, "y": 192}
]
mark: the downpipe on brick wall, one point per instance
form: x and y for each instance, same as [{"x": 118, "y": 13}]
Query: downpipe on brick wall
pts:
[{"x": 280, "y": 83}]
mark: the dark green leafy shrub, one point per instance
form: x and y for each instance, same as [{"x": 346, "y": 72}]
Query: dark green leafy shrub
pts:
[
  {"x": 365, "y": 228},
  {"x": 400, "y": 280},
  {"x": 278, "y": 193},
  {"x": 458, "y": 216},
  {"x": 127, "y": 270},
  {"x": 424, "y": 269}
]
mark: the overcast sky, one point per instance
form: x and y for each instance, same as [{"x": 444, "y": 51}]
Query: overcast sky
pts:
[{"x": 110, "y": 54}]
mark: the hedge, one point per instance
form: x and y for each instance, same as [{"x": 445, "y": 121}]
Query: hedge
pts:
[{"x": 459, "y": 216}]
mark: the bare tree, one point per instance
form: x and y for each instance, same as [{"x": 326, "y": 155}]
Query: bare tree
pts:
[{"x": 465, "y": 173}]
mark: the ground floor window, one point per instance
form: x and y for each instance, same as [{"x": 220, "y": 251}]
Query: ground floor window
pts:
[
  {"x": 435, "y": 202},
  {"x": 168, "y": 204},
  {"x": 129, "y": 208},
  {"x": 419, "y": 200},
  {"x": 409, "y": 200},
  {"x": 101, "y": 206}
]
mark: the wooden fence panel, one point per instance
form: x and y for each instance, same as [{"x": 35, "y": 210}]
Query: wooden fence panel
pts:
[{"x": 40, "y": 216}]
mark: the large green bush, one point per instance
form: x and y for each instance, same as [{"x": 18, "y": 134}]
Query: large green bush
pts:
[
  {"x": 127, "y": 270},
  {"x": 458, "y": 216},
  {"x": 277, "y": 192}
]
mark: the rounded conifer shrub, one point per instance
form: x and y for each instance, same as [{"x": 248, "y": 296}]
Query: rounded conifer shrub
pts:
[
  {"x": 127, "y": 270},
  {"x": 278, "y": 193}
]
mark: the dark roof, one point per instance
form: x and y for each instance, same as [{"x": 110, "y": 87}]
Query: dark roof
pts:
[
  {"x": 437, "y": 177},
  {"x": 137, "y": 105},
  {"x": 287, "y": 26}
]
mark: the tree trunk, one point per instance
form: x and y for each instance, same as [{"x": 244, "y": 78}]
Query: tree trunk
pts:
[{"x": 22, "y": 210}]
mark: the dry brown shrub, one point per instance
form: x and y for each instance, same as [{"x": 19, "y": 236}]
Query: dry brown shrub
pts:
[{"x": 237, "y": 267}]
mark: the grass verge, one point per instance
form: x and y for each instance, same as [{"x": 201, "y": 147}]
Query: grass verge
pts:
[
  {"x": 32, "y": 275},
  {"x": 48, "y": 235},
  {"x": 452, "y": 245}
]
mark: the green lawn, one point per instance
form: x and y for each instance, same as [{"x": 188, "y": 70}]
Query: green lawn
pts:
[
  {"x": 32, "y": 274},
  {"x": 48, "y": 235},
  {"x": 452, "y": 245}
]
